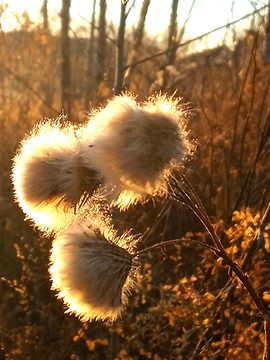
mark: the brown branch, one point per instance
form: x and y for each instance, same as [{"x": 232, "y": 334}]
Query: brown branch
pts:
[
  {"x": 65, "y": 53},
  {"x": 211, "y": 144},
  {"x": 245, "y": 130},
  {"x": 29, "y": 87},
  {"x": 193, "y": 40},
  {"x": 98, "y": 29},
  {"x": 263, "y": 101},
  {"x": 232, "y": 150},
  {"x": 265, "y": 134},
  {"x": 175, "y": 241},
  {"x": 163, "y": 211},
  {"x": 181, "y": 34},
  {"x": 119, "y": 73}
]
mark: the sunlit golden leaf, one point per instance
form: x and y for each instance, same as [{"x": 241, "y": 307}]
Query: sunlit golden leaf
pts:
[
  {"x": 90, "y": 344},
  {"x": 206, "y": 321},
  {"x": 266, "y": 296},
  {"x": 209, "y": 297}
]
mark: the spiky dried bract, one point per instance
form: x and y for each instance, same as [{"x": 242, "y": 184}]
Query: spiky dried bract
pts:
[
  {"x": 48, "y": 175},
  {"x": 135, "y": 145},
  {"x": 92, "y": 274}
]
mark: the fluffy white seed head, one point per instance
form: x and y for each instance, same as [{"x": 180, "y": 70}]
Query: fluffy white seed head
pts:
[
  {"x": 133, "y": 146},
  {"x": 48, "y": 176},
  {"x": 124, "y": 153},
  {"x": 92, "y": 274}
]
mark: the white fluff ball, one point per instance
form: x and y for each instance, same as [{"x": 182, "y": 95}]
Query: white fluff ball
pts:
[
  {"x": 134, "y": 146},
  {"x": 48, "y": 176},
  {"x": 91, "y": 273}
]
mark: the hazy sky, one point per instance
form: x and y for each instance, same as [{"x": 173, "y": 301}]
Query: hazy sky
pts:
[{"x": 206, "y": 14}]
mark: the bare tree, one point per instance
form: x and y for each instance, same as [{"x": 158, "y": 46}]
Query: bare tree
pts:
[
  {"x": 172, "y": 43},
  {"x": 266, "y": 53},
  {"x": 172, "y": 40},
  {"x": 140, "y": 26},
  {"x": 119, "y": 73},
  {"x": 44, "y": 12},
  {"x": 45, "y": 83},
  {"x": 65, "y": 42},
  {"x": 138, "y": 35},
  {"x": 101, "y": 43},
  {"x": 90, "y": 81}
]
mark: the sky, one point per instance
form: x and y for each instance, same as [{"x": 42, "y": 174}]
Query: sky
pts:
[{"x": 205, "y": 16}]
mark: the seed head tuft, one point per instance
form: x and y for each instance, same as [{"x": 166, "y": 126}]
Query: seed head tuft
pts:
[
  {"x": 92, "y": 274},
  {"x": 48, "y": 176},
  {"x": 135, "y": 145}
]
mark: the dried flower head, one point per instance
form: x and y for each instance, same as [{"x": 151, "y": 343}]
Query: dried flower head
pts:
[
  {"x": 93, "y": 274},
  {"x": 124, "y": 153},
  {"x": 48, "y": 175},
  {"x": 134, "y": 146}
]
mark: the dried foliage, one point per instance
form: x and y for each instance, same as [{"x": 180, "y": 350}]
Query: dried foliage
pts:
[{"x": 189, "y": 305}]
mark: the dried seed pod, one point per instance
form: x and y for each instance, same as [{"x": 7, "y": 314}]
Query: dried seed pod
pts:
[{"x": 91, "y": 273}]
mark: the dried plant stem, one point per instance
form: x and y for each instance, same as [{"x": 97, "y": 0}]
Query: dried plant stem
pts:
[
  {"x": 234, "y": 135},
  {"x": 264, "y": 100},
  {"x": 190, "y": 198},
  {"x": 119, "y": 75},
  {"x": 245, "y": 130},
  {"x": 247, "y": 182},
  {"x": 160, "y": 216},
  {"x": 175, "y": 241},
  {"x": 19, "y": 79},
  {"x": 266, "y": 323}
]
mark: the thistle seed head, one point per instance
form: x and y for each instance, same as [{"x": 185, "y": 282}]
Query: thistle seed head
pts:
[
  {"x": 92, "y": 274},
  {"x": 124, "y": 152},
  {"x": 134, "y": 146},
  {"x": 48, "y": 176}
]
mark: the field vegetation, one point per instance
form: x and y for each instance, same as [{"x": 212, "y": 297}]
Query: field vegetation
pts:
[{"x": 189, "y": 304}]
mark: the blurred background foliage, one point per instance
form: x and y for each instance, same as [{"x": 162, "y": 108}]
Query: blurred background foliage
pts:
[{"x": 188, "y": 306}]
